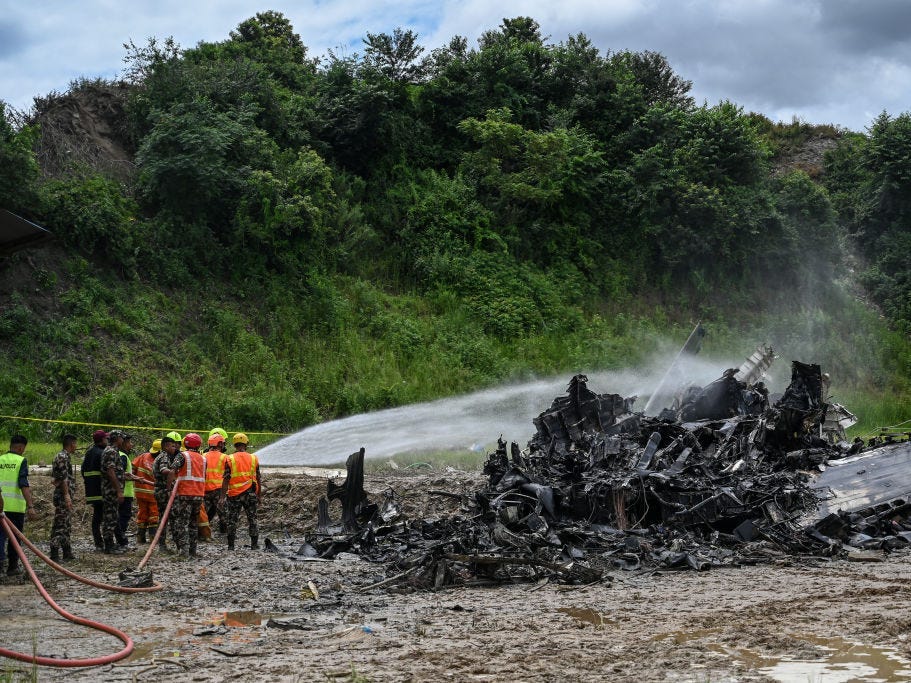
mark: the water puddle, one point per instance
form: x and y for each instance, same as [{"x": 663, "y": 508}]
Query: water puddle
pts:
[
  {"x": 835, "y": 660},
  {"x": 243, "y": 618},
  {"x": 586, "y": 615}
]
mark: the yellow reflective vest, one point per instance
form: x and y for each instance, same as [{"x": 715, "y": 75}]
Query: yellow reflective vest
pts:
[{"x": 13, "y": 500}]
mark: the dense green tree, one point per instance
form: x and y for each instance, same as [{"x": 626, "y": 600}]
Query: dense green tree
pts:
[
  {"x": 19, "y": 170},
  {"x": 395, "y": 55}
]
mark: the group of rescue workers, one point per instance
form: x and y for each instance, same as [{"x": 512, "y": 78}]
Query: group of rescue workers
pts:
[{"x": 209, "y": 484}]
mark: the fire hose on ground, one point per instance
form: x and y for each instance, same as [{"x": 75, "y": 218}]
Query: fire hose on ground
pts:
[{"x": 15, "y": 536}]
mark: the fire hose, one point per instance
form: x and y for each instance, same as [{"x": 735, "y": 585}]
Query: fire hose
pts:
[{"x": 15, "y": 536}]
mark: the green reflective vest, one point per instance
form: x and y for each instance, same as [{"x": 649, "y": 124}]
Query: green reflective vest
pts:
[
  {"x": 128, "y": 488},
  {"x": 13, "y": 500}
]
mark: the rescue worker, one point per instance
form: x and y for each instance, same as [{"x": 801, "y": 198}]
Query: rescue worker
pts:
[
  {"x": 64, "y": 490},
  {"x": 112, "y": 484},
  {"x": 215, "y": 470},
  {"x": 146, "y": 506},
  {"x": 161, "y": 470},
  {"x": 125, "y": 509},
  {"x": 91, "y": 478},
  {"x": 189, "y": 472},
  {"x": 17, "y": 498},
  {"x": 241, "y": 488}
]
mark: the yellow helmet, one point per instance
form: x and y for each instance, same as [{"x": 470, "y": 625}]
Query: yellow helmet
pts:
[
  {"x": 174, "y": 435},
  {"x": 240, "y": 437},
  {"x": 156, "y": 446},
  {"x": 218, "y": 430}
]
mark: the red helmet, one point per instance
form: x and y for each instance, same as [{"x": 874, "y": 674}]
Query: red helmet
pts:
[{"x": 192, "y": 440}]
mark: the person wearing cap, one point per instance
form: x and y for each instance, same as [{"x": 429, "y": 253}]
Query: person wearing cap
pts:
[
  {"x": 215, "y": 470},
  {"x": 17, "y": 495},
  {"x": 146, "y": 505},
  {"x": 189, "y": 472},
  {"x": 241, "y": 489},
  {"x": 161, "y": 471},
  {"x": 112, "y": 484},
  {"x": 91, "y": 479},
  {"x": 64, "y": 490},
  {"x": 125, "y": 509}
]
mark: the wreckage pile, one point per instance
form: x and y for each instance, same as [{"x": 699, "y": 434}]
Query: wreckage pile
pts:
[{"x": 722, "y": 477}]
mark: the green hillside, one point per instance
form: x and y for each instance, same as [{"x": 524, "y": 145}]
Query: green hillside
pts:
[{"x": 250, "y": 236}]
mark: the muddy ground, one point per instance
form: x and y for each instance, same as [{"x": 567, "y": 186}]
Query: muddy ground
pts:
[{"x": 248, "y": 615}]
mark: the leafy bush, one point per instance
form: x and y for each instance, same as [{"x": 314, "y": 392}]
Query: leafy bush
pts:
[{"x": 93, "y": 216}]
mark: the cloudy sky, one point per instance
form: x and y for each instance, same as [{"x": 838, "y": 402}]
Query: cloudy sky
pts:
[{"x": 823, "y": 61}]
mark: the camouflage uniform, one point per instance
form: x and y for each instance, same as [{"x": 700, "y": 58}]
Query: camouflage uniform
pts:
[
  {"x": 62, "y": 470},
  {"x": 246, "y": 501},
  {"x": 183, "y": 521},
  {"x": 162, "y": 491},
  {"x": 110, "y": 530}
]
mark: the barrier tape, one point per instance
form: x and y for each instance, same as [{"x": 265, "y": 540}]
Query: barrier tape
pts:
[{"x": 132, "y": 427}]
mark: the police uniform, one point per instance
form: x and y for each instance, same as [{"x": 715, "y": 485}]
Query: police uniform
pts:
[{"x": 13, "y": 478}]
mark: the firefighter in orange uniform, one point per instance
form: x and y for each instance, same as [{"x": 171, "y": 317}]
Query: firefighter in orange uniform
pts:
[
  {"x": 189, "y": 468},
  {"x": 147, "y": 508},
  {"x": 215, "y": 470},
  {"x": 241, "y": 489}
]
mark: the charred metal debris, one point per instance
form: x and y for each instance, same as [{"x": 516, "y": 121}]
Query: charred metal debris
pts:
[{"x": 721, "y": 478}]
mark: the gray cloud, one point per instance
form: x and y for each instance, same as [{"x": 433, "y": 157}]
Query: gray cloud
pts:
[
  {"x": 12, "y": 38},
  {"x": 832, "y": 61}
]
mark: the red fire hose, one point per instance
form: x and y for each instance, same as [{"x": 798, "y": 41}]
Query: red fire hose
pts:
[{"x": 13, "y": 533}]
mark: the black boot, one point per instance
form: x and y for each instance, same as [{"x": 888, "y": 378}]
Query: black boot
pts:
[
  {"x": 68, "y": 553},
  {"x": 112, "y": 549},
  {"x": 55, "y": 554},
  {"x": 230, "y": 541},
  {"x": 254, "y": 542},
  {"x": 141, "y": 536}
]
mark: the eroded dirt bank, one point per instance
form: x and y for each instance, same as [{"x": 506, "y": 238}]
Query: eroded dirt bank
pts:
[{"x": 839, "y": 620}]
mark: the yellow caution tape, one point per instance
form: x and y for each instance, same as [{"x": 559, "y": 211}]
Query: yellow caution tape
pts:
[{"x": 133, "y": 427}]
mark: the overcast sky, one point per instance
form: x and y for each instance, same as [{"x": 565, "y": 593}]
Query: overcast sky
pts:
[{"x": 823, "y": 61}]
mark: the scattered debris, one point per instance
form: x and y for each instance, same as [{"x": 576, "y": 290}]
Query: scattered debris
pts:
[{"x": 720, "y": 477}]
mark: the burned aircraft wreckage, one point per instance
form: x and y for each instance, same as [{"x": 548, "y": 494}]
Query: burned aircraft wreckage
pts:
[{"x": 725, "y": 476}]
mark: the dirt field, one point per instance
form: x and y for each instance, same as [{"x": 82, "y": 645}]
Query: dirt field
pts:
[{"x": 248, "y": 616}]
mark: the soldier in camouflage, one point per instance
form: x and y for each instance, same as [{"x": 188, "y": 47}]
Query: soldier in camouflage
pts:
[
  {"x": 64, "y": 490},
  {"x": 112, "y": 481},
  {"x": 190, "y": 469},
  {"x": 162, "y": 470}
]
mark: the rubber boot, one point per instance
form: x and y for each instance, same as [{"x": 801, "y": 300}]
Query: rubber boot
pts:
[
  {"x": 254, "y": 542},
  {"x": 112, "y": 549},
  {"x": 141, "y": 536},
  {"x": 55, "y": 554},
  {"x": 192, "y": 544},
  {"x": 99, "y": 543},
  {"x": 68, "y": 553},
  {"x": 230, "y": 541}
]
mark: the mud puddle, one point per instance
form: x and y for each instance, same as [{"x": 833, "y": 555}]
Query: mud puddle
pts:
[{"x": 834, "y": 660}]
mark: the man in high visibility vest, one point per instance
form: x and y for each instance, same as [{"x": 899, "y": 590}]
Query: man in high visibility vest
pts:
[
  {"x": 189, "y": 469},
  {"x": 64, "y": 490},
  {"x": 215, "y": 471},
  {"x": 91, "y": 478},
  {"x": 241, "y": 488},
  {"x": 125, "y": 509},
  {"x": 146, "y": 506},
  {"x": 17, "y": 497}
]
